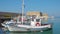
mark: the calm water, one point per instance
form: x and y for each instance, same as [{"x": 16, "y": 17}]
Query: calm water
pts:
[{"x": 55, "y": 30}]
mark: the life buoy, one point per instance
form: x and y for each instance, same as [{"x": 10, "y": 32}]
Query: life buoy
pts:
[{"x": 37, "y": 24}]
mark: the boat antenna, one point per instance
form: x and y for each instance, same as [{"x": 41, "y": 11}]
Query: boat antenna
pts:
[{"x": 22, "y": 10}]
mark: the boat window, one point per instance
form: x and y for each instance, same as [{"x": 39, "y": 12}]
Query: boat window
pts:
[
  {"x": 32, "y": 19},
  {"x": 37, "y": 20}
]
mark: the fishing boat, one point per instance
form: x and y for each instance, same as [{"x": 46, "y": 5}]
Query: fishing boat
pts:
[{"x": 26, "y": 24}]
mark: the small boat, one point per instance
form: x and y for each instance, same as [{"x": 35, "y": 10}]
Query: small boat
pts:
[{"x": 28, "y": 25}]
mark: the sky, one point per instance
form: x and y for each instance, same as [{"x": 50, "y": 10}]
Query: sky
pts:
[{"x": 51, "y": 7}]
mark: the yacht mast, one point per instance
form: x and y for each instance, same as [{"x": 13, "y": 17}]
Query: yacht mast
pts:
[{"x": 22, "y": 10}]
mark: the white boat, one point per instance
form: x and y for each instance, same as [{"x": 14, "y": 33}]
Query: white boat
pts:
[{"x": 33, "y": 25}]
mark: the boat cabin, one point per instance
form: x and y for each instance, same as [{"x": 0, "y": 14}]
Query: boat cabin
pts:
[{"x": 36, "y": 22}]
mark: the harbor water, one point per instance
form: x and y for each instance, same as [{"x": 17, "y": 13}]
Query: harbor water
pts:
[{"x": 55, "y": 29}]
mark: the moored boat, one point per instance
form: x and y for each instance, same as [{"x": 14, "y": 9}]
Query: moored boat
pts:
[{"x": 31, "y": 25}]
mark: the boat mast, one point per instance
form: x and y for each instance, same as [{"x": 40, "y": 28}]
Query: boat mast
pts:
[{"x": 22, "y": 10}]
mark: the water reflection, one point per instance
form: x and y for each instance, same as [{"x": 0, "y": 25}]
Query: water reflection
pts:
[{"x": 44, "y": 32}]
